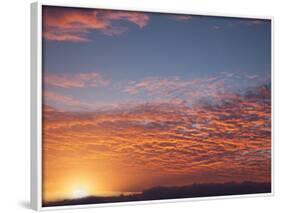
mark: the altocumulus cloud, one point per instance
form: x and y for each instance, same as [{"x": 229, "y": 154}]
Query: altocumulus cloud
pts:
[{"x": 230, "y": 141}]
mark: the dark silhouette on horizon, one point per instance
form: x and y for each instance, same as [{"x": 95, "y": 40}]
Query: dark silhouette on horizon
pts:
[{"x": 173, "y": 192}]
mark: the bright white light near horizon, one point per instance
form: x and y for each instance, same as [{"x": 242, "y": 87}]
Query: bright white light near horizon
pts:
[{"x": 80, "y": 192}]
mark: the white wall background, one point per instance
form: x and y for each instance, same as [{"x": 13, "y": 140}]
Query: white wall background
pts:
[{"x": 15, "y": 107}]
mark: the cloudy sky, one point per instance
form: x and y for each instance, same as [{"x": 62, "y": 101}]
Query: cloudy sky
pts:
[{"x": 133, "y": 100}]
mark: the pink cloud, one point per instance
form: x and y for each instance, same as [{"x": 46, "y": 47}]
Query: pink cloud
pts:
[
  {"x": 64, "y": 36},
  {"x": 56, "y": 97},
  {"x": 137, "y": 18},
  {"x": 65, "y": 102},
  {"x": 112, "y": 31},
  {"x": 91, "y": 79},
  {"x": 76, "y": 24},
  {"x": 189, "y": 91},
  {"x": 174, "y": 86},
  {"x": 251, "y": 76},
  {"x": 181, "y": 17}
]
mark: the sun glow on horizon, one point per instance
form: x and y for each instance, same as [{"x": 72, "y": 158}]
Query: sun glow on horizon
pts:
[
  {"x": 79, "y": 186},
  {"x": 80, "y": 192}
]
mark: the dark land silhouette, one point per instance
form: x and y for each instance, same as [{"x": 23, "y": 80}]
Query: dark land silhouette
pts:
[{"x": 174, "y": 192}]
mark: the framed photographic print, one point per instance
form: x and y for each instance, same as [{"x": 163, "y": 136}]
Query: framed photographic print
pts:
[{"x": 140, "y": 106}]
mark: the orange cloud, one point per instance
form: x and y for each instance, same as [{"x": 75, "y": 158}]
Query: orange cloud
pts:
[
  {"x": 166, "y": 144},
  {"x": 47, "y": 109},
  {"x": 68, "y": 24}
]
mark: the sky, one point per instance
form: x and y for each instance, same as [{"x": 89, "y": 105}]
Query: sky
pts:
[{"x": 132, "y": 100}]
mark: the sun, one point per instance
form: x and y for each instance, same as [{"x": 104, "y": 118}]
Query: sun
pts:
[{"x": 79, "y": 192}]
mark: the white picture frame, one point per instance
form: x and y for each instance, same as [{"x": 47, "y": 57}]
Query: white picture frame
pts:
[{"x": 36, "y": 103}]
